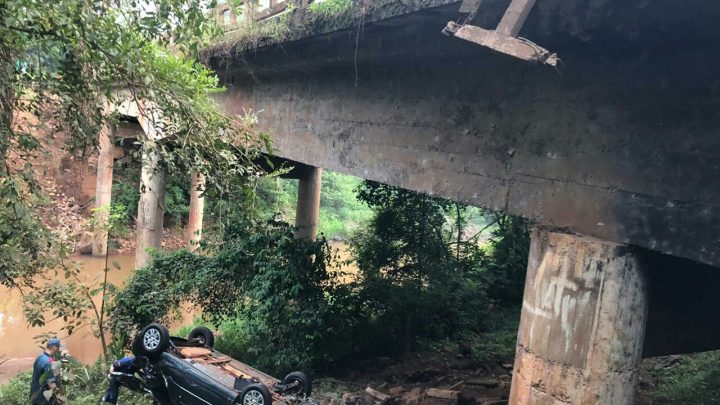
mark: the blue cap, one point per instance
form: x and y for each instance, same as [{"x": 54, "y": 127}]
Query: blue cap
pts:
[{"x": 53, "y": 342}]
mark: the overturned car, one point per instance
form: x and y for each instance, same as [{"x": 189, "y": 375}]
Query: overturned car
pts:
[{"x": 178, "y": 371}]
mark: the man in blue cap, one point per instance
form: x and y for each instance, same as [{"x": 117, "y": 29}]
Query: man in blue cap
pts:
[{"x": 43, "y": 378}]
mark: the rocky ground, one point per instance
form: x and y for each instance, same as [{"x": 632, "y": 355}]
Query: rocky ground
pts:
[{"x": 446, "y": 376}]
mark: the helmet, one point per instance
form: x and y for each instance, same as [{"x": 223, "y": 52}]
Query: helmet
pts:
[{"x": 53, "y": 342}]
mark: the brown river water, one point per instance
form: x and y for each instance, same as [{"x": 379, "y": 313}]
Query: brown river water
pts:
[{"x": 17, "y": 343}]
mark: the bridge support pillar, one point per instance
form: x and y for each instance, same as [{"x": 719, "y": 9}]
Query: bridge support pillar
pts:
[
  {"x": 582, "y": 324},
  {"x": 151, "y": 210},
  {"x": 308, "y": 204},
  {"x": 197, "y": 206},
  {"x": 103, "y": 189}
]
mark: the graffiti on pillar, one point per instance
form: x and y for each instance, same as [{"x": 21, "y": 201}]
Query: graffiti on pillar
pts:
[{"x": 563, "y": 284}]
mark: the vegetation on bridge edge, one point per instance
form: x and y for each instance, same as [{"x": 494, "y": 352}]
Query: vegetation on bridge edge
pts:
[{"x": 298, "y": 23}]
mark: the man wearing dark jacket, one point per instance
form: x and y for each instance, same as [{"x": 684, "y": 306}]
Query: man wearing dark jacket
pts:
[
  {"x": 43, "y": 377},
  {"x": 126, "y": 365}
]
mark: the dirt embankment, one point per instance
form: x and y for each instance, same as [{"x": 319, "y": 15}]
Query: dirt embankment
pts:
[{"x": 68, "y": 184}]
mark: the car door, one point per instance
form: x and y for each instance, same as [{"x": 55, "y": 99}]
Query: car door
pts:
[{"x": 189, "y": 386}]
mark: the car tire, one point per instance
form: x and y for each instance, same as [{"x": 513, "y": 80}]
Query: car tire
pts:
[
  {"x": 255, "y": 394},
  {"x": 152, "y": 341},
  {"x": 304, "y": 383},
  {"x": 204, "y": 335}
]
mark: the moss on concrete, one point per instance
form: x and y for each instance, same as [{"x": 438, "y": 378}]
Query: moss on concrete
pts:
[{"x": 316, "y": 19}]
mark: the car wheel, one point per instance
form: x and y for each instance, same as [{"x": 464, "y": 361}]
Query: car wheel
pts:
[
  {"x": 203, "y": 335},
  {"x": 304, "y": 387},
  {"x": 152, "y": 341},
  {"x": 256, "y": 394}
]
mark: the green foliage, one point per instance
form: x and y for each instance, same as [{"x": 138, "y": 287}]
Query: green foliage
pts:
[
  {"x": 419, "y": 273},
  {"x": 692, "y": 380},
  {"x": 17, "y": 390},
  {"x": 506, "y": 263},
  {"x": 154, "y": 292},
  {"x": 127, "y": 195},
  {"x": 497, "y": 343},
  {"x": 126, "y": 192},
  {"x": 340, "y": 212},
  {"x": 280, "y": 305},
  {"x": 260, "y": 273},
  {"x": 62, "y": 63},
  {"x": 320, "y": 17},
  {"x": 81, "y": 385},
  {"x": 26, "y": 246},
  {"x": 73, "y": 299}
]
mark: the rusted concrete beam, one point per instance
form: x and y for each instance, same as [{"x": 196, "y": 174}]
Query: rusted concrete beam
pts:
[
  {"x": 582, "y": 324},
  {"x": 103, "y": 189},
  {"x": 151, "y": 205},
  {"x": 308, "y": 204},
  {"x": 515, "y": 17},
  {"x": 193, "y": 233},
  {"x": 510, "y": 45}
]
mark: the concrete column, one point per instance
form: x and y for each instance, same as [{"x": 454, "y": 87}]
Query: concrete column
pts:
[
  {"x": 582, "y": 324},
  {"x": 193, "y": 233},
  {"x": 103, "y": 189},
  {"x": 308, "y": 204},
  {"x": 151, "y": 209}
]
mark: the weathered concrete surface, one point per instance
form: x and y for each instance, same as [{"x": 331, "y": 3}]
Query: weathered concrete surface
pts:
[
  {"x": 684, "y": 306},
  {"x": 621, "y": 145},
  {"x": 151, "y": 211},
  {"x": 582, "y": 324},
  {"x": 103, "y": 190},
  {"x": 308, "y": 203},
  {"x": 193, "y": 232}
]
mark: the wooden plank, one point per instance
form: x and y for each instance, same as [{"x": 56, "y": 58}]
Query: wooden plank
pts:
[
  {"x": 257, "y": 374},
  {"x": 377, "y": 394},
  {"x": 194, "y": 352},
  {"x": 233, "y": 371},
  {"x": 219, "y": 360},
  {"x": 445, "y": 394}
]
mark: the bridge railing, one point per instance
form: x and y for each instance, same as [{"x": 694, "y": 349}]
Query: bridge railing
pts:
[{"x": 232, "y": 18}]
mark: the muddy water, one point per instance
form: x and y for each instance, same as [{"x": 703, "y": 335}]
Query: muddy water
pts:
[{"x": 16, "y": 338}]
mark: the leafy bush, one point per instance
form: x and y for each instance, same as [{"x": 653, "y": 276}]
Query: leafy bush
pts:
[
  {"x": 127, "y": 195},
  {"x": 340, "y": 212},
  {"x": 276, "y": 288},
  {"x": 82, "y": 385},
  {"x": 505, "y": 262},
  {"x": 154, "y": 293},
  {"x": 419, "y": 273},
  {"x": 280, "y": 305},
  {"x": 692, "y": 380},
  {"x": 126, "y": 192}
]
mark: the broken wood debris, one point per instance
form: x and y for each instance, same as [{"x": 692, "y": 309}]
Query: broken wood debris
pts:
[
  {"x": 445, "y": 394},
  {"x": 377, "y": 394},
  {"x": 483, "y": 383}
]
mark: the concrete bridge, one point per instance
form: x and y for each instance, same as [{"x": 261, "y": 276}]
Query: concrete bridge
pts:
[{"x": 615, "y": 156}]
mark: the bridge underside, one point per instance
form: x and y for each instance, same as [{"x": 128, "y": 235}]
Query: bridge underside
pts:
[{"x": 620, "y": 144}]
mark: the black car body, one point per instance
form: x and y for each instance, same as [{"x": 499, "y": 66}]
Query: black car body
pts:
[{"x": 178, "y": 371}]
